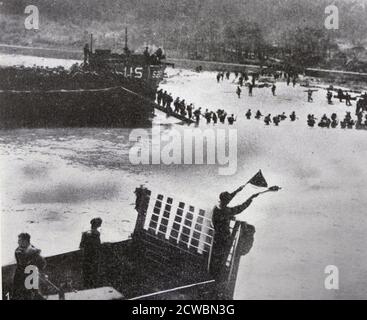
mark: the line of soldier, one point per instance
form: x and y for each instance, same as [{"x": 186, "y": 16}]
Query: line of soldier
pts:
[
  {"x": 166, "y": 100},
  {"x": 219, "y": 116},
  {"x": 269, "y": 119},
  {"x": 240, "y": 75},
  {"x": 244, "y": 76},
  {"x": 325, "y": 122},
  {"x": 332, "y": 122},
  {"x": 250, "y": 87},
  {"x": 361, "y": 103},
  {"x": 347, "y": 97}
]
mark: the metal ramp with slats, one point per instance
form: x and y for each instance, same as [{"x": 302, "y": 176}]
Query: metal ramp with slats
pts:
[{"x": 174, "y": 235}]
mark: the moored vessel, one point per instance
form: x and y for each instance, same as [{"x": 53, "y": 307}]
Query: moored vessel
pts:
[{"x": 106, "y": 90}]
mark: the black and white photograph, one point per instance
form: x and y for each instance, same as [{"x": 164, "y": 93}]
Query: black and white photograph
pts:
[{"x": 186, "y": 150}]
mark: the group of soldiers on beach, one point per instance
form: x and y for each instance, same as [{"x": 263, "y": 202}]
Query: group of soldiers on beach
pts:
[
  {"x": 348, "y": 121},
  {"x": 249, "y": 80}
]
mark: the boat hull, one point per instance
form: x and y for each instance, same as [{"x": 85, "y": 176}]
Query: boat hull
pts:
[
  {"x": 123, "y": 267},
  {"x": 79, "y": 108}
]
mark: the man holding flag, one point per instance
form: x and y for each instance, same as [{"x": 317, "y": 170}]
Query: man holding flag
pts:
[{"x": 222, "y": 216}]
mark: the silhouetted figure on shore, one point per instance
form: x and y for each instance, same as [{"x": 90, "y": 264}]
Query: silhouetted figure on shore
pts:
[
  {"x": 348, "y": 103},
  {"x": 231, "y": 120},
  {"x": 276, "y": 120},
  {"x": 159, "y": 96},
  {"x": 197, "y": 114},
  {"x": 238, "y": 91},
  {"x": 169, "y": 101},
  {"x": 267, "y": 119},
  {"x": 250, "y": 88},
  {"x": 248, "y": 114},
  {"x": 359, "y": 106},
  {"x": 164, "y": 99},
  {"x": 348, "y": 122},
  {"x": 214, "y": 117},
  {"x": 311, "y": 120},
  {"x": 293, "y": 116},
  {"x": 222, "y": 117},
  {"x": 189, "y": 110},
  {"x": 324, "y": 122},
  {"x": 208, "y": 116},
  {"x": 334, "y": 120},
  {"x": 273, "y": 89},
  {"x": 282, "y": 117},
  {"x": 176, "y": 104}
]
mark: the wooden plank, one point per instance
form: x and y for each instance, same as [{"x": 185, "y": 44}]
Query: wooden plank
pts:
[{"x": 173, "y": 114}]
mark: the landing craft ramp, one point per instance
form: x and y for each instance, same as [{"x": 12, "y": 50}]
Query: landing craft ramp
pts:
[
  {"x": 167, "y": 257},
  {"x": 173, "y": 114}
]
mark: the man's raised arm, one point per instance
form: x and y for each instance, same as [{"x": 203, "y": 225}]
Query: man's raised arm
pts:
[{"x": 240, "y": 208}]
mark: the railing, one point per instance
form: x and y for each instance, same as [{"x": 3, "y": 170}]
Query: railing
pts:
[
  {"x": 61, "y": 293},
  {"x": 173, "y": 290}
]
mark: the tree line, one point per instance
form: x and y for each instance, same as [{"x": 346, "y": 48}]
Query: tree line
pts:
[{"x": 226, "y": 30}]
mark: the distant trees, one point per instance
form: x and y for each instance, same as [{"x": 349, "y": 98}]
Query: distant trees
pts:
[
  {"x": 244, "y": 40},
  {"x": 230, "y": 30},
  {"x": 306, "y": 46}
]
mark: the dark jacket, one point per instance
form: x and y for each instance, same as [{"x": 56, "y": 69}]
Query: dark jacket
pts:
[
  {"x": 91, "y": 245},
  {"x": 29, "y": 256},
  {"x": 222, "y": 217}
]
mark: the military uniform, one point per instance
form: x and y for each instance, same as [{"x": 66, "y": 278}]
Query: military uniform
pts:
[
  {"x": 30, "y": 256},
  {"x": 91, "y": 246},
  {"x": 221, "y": 219}
]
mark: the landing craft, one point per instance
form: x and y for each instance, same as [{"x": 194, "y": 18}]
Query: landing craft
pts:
[
  {"x": 107, "y": 90},
  {"x": 167, "y": 257}
]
